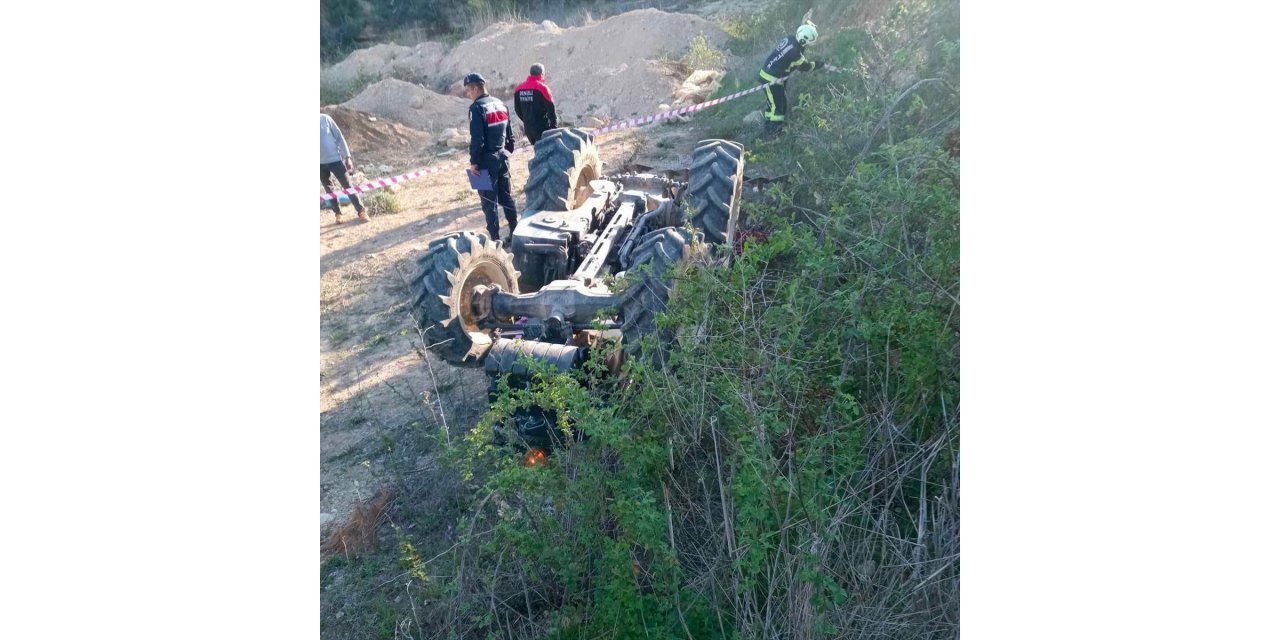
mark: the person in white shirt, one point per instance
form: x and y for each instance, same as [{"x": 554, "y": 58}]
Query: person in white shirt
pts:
[{"x": 335, "y": 160}]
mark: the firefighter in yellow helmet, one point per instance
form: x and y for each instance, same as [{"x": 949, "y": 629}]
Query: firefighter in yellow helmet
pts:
[{"x": 786, "y": 58}]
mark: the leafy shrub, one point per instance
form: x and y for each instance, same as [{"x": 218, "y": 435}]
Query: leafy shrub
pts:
[
  {"x": 338, "y": 92},
  {"x": 747, "y": 33},
  {"x": 382, "y": 201},
  {"x": 340, "y": 23},
  {"x": 702, "y": 55}
]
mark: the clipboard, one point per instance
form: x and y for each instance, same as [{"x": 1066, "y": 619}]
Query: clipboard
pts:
[{"x": 481, "y": 182}]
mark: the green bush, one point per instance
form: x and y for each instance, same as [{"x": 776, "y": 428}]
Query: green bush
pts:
[
  {"x": 382, "y": 201},
  {"x": 340, "y": 23},
  {"x": 748, "y": 33},
  {"x": 702, "y": 55},
  {"x": 337, "y": 93}
]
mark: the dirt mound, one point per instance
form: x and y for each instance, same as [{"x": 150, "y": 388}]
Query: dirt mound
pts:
[
  {"x": 620, "y": 67},
  {"x": 419, "y": 63},
  {"x": 368, "y": 135},
  {"x": 411, "y": 105}
]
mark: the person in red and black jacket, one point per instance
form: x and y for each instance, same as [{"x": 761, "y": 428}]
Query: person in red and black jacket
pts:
[
  {"x": 491, "y": 144},
  {"x": 534, "y": 104}
]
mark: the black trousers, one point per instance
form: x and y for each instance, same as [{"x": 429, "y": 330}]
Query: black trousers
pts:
[
  {"x": 534, "y": 135},
  {"x": 776, "y": 94},
  {"x": 340, "y": 172},
  {"x": 500, "y": 175}
]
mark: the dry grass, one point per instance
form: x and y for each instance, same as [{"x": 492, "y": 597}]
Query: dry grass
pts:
[{"x": 360, "y": 532}]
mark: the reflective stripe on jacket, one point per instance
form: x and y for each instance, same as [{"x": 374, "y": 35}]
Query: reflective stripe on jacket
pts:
[{"x": 490, "y": 129}]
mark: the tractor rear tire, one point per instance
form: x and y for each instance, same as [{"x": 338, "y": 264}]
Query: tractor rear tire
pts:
[
  {"x": 564, "y": 162},
  {"x": 715, "y": 189},
  {"x": 647, "y": 294},
  {"x": 447, "y": 275}
]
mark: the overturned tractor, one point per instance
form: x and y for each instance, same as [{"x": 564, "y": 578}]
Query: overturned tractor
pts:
[{"x": 550, "y": 298}]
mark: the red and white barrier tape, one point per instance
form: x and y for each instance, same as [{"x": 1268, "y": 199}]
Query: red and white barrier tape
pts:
[
  {"x": 630, "y": 123},
  {"x": 657, "y": 117},
  {"x": 382, "y": 183}
]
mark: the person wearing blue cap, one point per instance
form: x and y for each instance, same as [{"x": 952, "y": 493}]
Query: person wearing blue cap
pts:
[{"x": 492, "y": 142}]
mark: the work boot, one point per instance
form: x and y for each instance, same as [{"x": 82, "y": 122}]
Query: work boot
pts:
[
  {"x": 772, "y": 129},
  {"x": 363, "y": 215}
]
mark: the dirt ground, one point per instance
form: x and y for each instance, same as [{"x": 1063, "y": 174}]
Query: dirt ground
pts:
[{"x": 384, "y": 399}]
